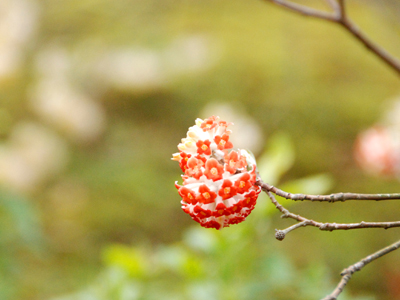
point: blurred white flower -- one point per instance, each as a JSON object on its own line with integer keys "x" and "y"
{"x": 247, "y": 133}
{"x": 32, "y": 155}
{"x": 190, "y": 54}
{"x": 53, "y": 61}
{"x": 10, "y": 58}
{"x": 131, "y": 68}
{"x": 18, "y": 22}
{"x": 141, "y": 68}
{"x": 58, "y": 103}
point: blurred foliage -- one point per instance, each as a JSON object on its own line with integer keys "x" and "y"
{"x": 144, "y": 70}
{"x": 234, "y": 263}
{"x": 20, "y": 233}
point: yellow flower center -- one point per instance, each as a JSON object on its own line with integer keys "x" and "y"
{"x": 227, "y": 190}
{"x": 214, "y": 171}
{"x": 222, "y": 142}
{"x": 242, "y": 184}
{"x": 204, "y": 147}
{"x": 231, "y": 163}
{"x": 190, "y": 196}
{"x": 206, "y": 195}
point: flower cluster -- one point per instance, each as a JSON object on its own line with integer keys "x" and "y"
{"x": 218, "y": 183}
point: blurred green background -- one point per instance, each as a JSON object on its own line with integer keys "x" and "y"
{"x": 96, "y": 95}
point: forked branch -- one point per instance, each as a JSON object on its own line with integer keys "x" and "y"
{"x": 302, "y": 222}
{"x": 348, "y": 272}
{"x": 327, "y": 226}
{"x": 339, "y": 16}
{"x": 305, "y": 10}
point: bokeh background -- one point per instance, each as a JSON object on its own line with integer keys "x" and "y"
{"x": 96, "y": 95}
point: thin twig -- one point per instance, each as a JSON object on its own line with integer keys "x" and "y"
{"x": 340, "y": 9}
{"x": 327, "y": 198}
{"x": 340, "y": 17}
{"x": 280, "y": 234}
{"x": 348, "y": 272}
{"x": 329, "y": 226}
{"x": 385, "y": 56}
{"x": 305, "y": 10}
{"x": 333, "y": 4}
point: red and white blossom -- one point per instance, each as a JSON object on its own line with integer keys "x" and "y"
{"x": 377, "y": 150}
{"x": 218, "y": 182}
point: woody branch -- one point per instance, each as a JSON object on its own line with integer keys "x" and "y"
{"x": 322, "y": 226}
{"x": 327, "y": 198}
{"x": 302, "y": 221}
{"x": 348, "y": 272}
{"x": 339, "y": 16}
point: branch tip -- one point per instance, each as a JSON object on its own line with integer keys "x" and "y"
{"x": 279, "y": 234}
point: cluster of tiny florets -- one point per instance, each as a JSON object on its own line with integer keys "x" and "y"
{"x": 218, "y": 182}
